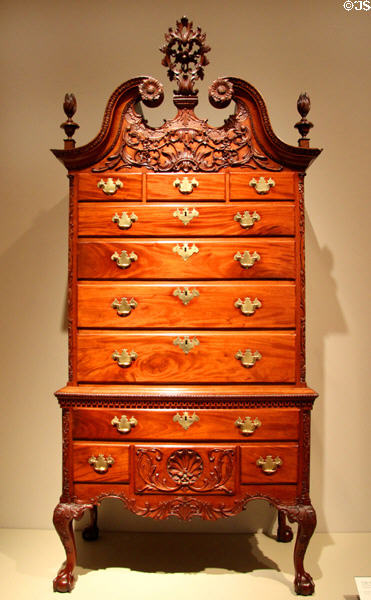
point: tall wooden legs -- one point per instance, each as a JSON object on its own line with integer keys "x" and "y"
{"x": 305, "y": 517}
{"x": 91, "y": 532}
{"x": 63, "y": 522}
{"x": 284, "y": 531}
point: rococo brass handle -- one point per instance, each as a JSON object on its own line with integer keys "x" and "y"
{"x": 124, "y": 306}
{"x": 110, "y": 187}
{"x": 185, "y": 186}
{"x": 186, "y": 344}
{"x": 186, "y": 295}
{"x": 246, "y": 259}
{"x": 269, "y": 464}
{"x": 185, "y": 420}
{"x": 247, "y": 306}
{"x": 186, "y": 215}
{"x": 124, "y": 358}
{"x": 124, "y": 222}
{"x": 246, "y": 220}
{"x": 124, "y": 259}
{"x": 185, "y": 251}
{"x": 124, "y": 424}
{"x": 247, "y": 425}
{"x": 247, "y": 358}
{"x": 262, "y": 186}
{"x": 101, "y": 464}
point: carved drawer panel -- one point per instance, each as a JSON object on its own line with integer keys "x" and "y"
{"x": 194, "y": 304}
{"x": 186, "y": 259}
{"x": 110, "y": 186}
{"x": 195, "y": 424}
{"x": 262, "y": 185}
{"x": 185, "y": 186}
{"x": 185, "y": 470}
{"x": 186, "y": 356}
{"x": 94, "y": 461}
{"x": 237, "y": 219}
{"x": 269, "y": 463}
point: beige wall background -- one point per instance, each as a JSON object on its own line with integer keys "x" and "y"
{"x": 90, "y": 47}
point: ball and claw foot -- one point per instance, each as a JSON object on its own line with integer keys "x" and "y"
{"x": 64, "y": 581}
{"x": 90, "y": 533}
{"x": 304, "y": 585}
{"x": 284, "y": 534}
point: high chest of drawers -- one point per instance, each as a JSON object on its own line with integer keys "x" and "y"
{"x": 186, "y": 393}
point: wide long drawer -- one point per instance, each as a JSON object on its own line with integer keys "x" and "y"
{"x": 186, "y": 259}
{"x": 237, "y": 219}
{"x": 197, "y": 304}
{"x": 185, "y": 357}
{"x": 180, "y": 425}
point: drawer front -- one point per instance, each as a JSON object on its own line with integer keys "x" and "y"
{"x": 195, "y": 424}
{"x": 185, "y": 187}
{"x": 114, "y": 219}
{"x": 185, "y": 470}
{"x": 110, "y": 186}
{"x": 161, "y": 305}
{"x": 186, "y": 259}
{"x": 281, "y": 467}
{"x": 157, "y": 359}
{"x": 94, "y": 461}
{"x": 250, "y": 186}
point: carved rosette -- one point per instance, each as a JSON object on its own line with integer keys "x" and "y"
{"x": 220, "y": 93}
{"x": 151, "y": 92}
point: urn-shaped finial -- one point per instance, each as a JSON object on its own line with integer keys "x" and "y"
{"x": 304, "y": 126}
{"x": 69, "y": 126}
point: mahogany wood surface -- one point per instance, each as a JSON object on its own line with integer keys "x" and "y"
{"x": 131, "y": 186}
{"x": 95, "y": 219}
{"x": 282, "y": 190}
{"x": 214, "y": 259}
{"x": 159, "y": 360}
{"x": 157, "y": 307}
{"x": 96, "y": 424}
{"x": 83, "y": 471}
{"x": 286, "y": 473}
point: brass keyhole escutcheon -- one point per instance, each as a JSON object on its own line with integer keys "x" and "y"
{"x": 247, "y": 425}
{"x": 185, "y": 420}
{"x": 124, "y": 358}
{"x": 262, "y": 186}
{"x": 124, "y": 259}
{"x": 247, "y": 358}
{"x": 269, "y": 465}
{"x": 110, "y": 187}
{"x": 186, "y": 344}
{"x": 125, "y": 221}
{"x": 124, "y": 425}
{"x": 185, "y": 186}
{"x": 247, "y": 306}
{"x": 186, "y": 295}
{"x": 185, "y": 251}
{"x": 246, "y": 259}
{"x": 246, "y": 220}
{"x": 101, "y": 464}
{"x": 186, "y": 215}
{"x": 124, "y": 306}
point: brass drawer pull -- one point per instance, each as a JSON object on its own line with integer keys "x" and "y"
{"x": 185, "y": 186}
{"x": 246, "y": 259}
{"x": 268, "y": 464}
{"x": 185, "y": 251}
{"x": 124, "y": 222}
{"x": 110, "y": 187}
{"x": 124, "y": 358}
{"x": 124, "y": 259}
{"x": 124, "y": 424}
{"x": 247, "y": 425}
{"x": 101, "y": 464}
{"x": 186, "y": 344}
{"x": 247, "y": 358}
{"x": 262, "y": 186}
{"x": 247, "y": 306}
{"x": 185, "y": 420}
{"x": 186, "y": 215}
{"x": 186, "y": 295}
{"x": 246, "y": 220}
{"x": 124, "y": 306}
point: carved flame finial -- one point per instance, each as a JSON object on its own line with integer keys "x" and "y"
{"x": 185, "y": 58}
{"x": 69, "y": 126}
{"x": 304, "y": 126}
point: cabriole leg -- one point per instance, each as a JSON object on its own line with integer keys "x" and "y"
{"x": 63, "y": 523}
{"x": 91, "y": 532}
{"x": 305, "y": 516}
{"x": 284, "y": 531}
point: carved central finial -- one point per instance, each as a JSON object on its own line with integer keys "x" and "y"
{"x": 185, "y": 56}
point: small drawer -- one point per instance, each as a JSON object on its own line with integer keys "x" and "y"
{"x": 185, "y": 187}
{"x": 269, "y": 463}
{"x": 262, "y": 185}
{"x": 110, "y": 186}
{"x": 114, "y": 219}
{"x": 181, "y": 425}
{"x": 100, "y": 462}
